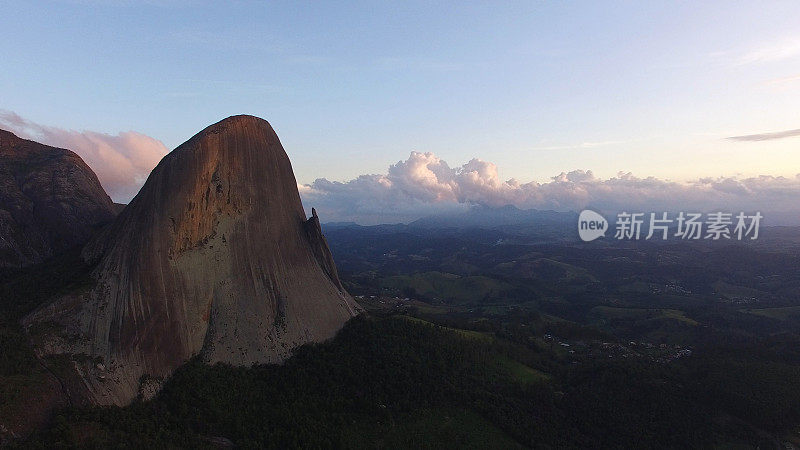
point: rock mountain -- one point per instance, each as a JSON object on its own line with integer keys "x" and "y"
{"x": 50, "y": 201}
{"x": 214, "y": 257}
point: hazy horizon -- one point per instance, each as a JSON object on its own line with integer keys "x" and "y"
{"x": 389, "y": 111}
{"x": 424, "y": 184}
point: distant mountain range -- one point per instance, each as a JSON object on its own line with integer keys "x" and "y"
{"x": 510, "y": 221}
{"x": 480, "y": 216}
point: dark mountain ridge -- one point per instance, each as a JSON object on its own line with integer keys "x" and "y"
{"x": 50, "y": 201}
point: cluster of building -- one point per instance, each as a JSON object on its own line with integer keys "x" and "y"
{"x": 659, "y": 353}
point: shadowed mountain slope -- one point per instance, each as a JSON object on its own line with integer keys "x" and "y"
{"x": 50, "y": 200}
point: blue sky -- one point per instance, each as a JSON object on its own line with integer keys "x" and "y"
{"x": 537, "y": 88}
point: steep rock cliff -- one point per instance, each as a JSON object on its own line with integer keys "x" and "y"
{"x": 214, "y": 257}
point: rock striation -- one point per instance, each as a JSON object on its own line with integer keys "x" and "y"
{"x": 50, "y": 201}
{"x": 214, "y": 257}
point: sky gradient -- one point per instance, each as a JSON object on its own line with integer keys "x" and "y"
{"x": 674, "y": 90}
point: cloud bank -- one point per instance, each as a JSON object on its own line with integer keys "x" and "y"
{"x": 425, "y": 184}
{"x": 766, "y": 136}
{"x": 772, "y": 52}
{"x": 122, "y": 162}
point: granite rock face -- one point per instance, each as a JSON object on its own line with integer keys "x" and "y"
{"x": 214, "y": 257}
{"x": 50, "y": 201}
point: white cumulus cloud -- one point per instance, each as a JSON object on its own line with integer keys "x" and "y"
{"x": 121, "y": 162}
{"x": 425, "y": 184}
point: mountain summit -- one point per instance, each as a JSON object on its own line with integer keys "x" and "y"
{"x": 214, "y": 257}
{"x": 50, "y": 201}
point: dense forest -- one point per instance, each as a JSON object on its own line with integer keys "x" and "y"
{"x": 401, "y": 382}
{"x": 509, "y": 346}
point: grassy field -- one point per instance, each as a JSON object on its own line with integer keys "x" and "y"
{"x": 522, "y": 373}
{"x": 608, "y": 312}
{"x": 733, "y": 291}
{"x": 468, "y": 334}
{"x": 545, "y": 269}
{"x": 446, "y": 286}
{"x": 784, "y": 313}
